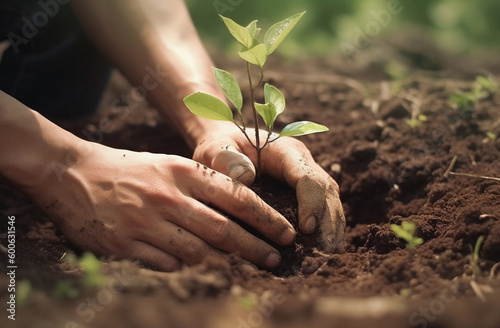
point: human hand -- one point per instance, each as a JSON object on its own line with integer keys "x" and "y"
{"x": 287, "y": 159}
{"x": 153, "y": 208}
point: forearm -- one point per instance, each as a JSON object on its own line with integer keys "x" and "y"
{"x": 157, "y": 34}
{"x": 30, "y": 145}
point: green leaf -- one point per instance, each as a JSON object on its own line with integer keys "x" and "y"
{"x": 401, "y": 232}
{"x": 422, "y": 117}
{"x": 274, "y": 96}
{"x": 256, "y": 55}
{"x": 268, "y": 113}
{"x": 414, "y": 242}
{"x": 240, "y": 33}
{"x": 487, "y": 84}
{"x": 275, "y": 105}
{"x": 253, "y": 29}
{"x": 302, "y": 128}
{"x": 230, "y": 87}
{"x": 409, "y": 227}
{"x": 208, "y": 106}
{"x": 277, "y": 33}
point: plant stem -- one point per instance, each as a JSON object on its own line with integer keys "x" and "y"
{"x": 257, "y": 146}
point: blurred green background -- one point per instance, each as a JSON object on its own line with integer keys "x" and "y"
{"x": 459, "y": 26}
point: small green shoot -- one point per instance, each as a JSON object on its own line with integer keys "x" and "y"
{"x": 91, "y": 276}
{"x": 65, "y": 289}
{"x": 405, "y": 292}
{"x": 23, "y": 291}
{"x": 91, "y": 266}
{"x": 91, "y": 271}
{"x": 474, "y": 260}
{"x": 485, "y": 87}
{"x": 413, "y": 123}
{"x": 466, "y": 102}
{"x": 253, "y": 52}
{"x": 247, "y": 302}
{"x": 491, "y": 135}
{"x": 406, "y": 231}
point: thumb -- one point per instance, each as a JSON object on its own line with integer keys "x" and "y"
{"x": 234, "y": 164}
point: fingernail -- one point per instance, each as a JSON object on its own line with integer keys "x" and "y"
{"x": 287, "y": 236}
{"x": 242, "y": 173}
{"x": 310, "y": 224}
{"x": 272, "y": 260}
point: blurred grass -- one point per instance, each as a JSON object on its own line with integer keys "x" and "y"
{"x": 459, "y": 26}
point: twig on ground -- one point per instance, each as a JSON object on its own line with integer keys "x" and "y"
{"x": 62, "y": 257}
{"x": 493, "y": 270}
{"x": 479, "y": 289}
{"x": 452, "y": 164}
{"x": 320, "y": 253}
{"x": 320, "y": 269}
{"x": 488, "y": 216}
{"x": 475, "y": 176}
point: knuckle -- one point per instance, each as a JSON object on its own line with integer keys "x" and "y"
{"x": 242, "y": 197}
{"x": 219, "y": 231}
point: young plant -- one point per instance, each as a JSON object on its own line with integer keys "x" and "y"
{"x": 466, "y": 102}
{"x": 414, "y": 122}
{"x": 474, "y": 257}
{"x": 406, "y": 231}
{"x": 255, "y": 53}
{"x": 91, "y": 276}
{"x": 91, "y": 266}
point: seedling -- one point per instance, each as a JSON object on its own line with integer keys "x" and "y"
{"x": 91, "y": 269}
{"x": 413, "y": 123}
{"x": 406, "y": 231}
{"x": 23, "y": 291}
{"x": 466, "y": 102}
{"x": 254, "y": 53}
{"x": 247, "y": 302}
{"x": 65, "y": 289}
{"x": 474, "y": 257}
{"x": 491, "y": 135}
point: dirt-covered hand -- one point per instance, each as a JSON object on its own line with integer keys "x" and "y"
{"x": 155, "y": 208}
{"x": 289, "y": 160}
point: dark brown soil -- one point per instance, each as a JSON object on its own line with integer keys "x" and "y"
{"x": 387, "y": 171}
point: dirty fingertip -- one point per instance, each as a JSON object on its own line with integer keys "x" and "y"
{"x": 272, "y": 260}
{"x": 287, "y": 236}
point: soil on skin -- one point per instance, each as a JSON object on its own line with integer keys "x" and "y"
{"x": 388, "y": 172}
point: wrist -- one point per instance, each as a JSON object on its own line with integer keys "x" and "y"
{"x": 33, "y": 148}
